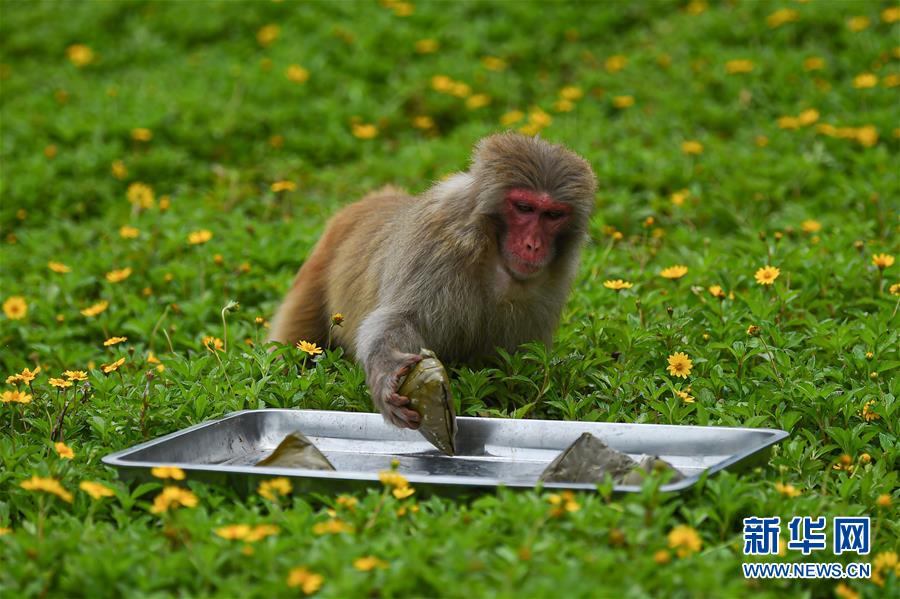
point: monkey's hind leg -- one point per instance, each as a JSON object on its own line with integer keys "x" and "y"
{"x": 301, "y": 316}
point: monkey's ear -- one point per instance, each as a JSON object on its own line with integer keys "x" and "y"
{"x": 486, "y": 145}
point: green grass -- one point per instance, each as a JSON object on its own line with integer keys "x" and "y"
{"x": 195, "y": 75}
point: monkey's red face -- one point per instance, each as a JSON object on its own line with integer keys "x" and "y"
{"x": 533, "y": 220}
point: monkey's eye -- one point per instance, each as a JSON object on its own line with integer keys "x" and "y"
{"x": 524, "y": 208}
{"x": 554, "y": 214}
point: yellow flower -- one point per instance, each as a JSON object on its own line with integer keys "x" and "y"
{"x": 116, "y": 276}
{"x": 538, "y": 117}
{"x": 390, "y": 478}
{"x": 892, "y": 80}
{"x": 95, "y": 309}
{"x": 692, "y": 147}
{"x": 309, "y": 582}
{"x": 173, "y": 498}
{"x": 563, "y": 106}
{"x": 733, "y": 67}
{"x": 15, "y": 307}
{"x": 27, "y": 375}
{"x": 402, "y": 9}
{"x": 267, "y": 34}
{"x": 95, "y": 490}
{"x": 766, "y": 275}
{"x": 891, "y": 15}
{"x": 80, "y": 55}
{"x": 442, "y": 83}
{"x": 662, "y": 557}
{"x": 868, "y": 412}
{"x": 15, "y": 396}
{"x": 685, "y": 396}
{"x": 842, "y": 591}
{"x": 114, "y": 341}
{"x": 297, "y": 74}
{"x": 272, "y": 488}
{"x": 782, "y": 16}
{"x": 882, "y": 261}
{"x": 895, "y": 289}
{"x": 753, "y": 330}
{"x": 813, "y": 63}
{"x": 403, "y": 492}
{"x": 808, "y": 117}
{"x": 511, "y": 117}
{"x": 310, "y": 348}
{"x": 47, "y": 485}
{"x": 60, "y": 383}
{"x": 113, "y": 366}
{"x": 199, "y": 237}
{"x": 811, "y": 226}
{"x": 140, "y": 195}
{"x": 283, "y": 186}
{"x": 493, "y": 63}
{"x": 119, "y": 171}
{"x": 885, "y": 561}
{"x": 58, "y": 267}
{"x": 261, "y": 531}
{"x": 427, "y": 46}
{"x": 64, "y": 451}
{"x": 623, "y": 101}
{"x": 787, "y": 490}
{"x": 678, "y": 197}
{"x": 370, "y": 562}
{"x": 684, "y": 540}
{"x": 615, "y": 63}
{"x": 865, "y": 81}
{"x": 866, "y": 135}
{"x": 348, "y": 501}
{"x": 571, "y": 93}
{"x": 332, "y": 526}
{"x": 478, "y": 101}
{"x": 674, "y": 272}
{"x": 858, "y": 23}
{"x": 717, "y": 291}
{"x": 364, "y": 131}
{"x": 337, "y": 319}
{"x": 884, "y": 500}
{"x": 141, "y": 134}
{"x": 617, "y": 284}
{"x": 127, "y": 232}
{"x": 213, "y": 344}
{"x": 173, "y": 472}
{"x": 680, "y": 365}
{"x": 423, "y": 122}
{"x": 233, "y": 532}
{"x": 788, "y": 122}
{"x": 75, "y": 375}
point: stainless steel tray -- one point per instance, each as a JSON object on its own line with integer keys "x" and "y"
{"x": 491, "y": 451}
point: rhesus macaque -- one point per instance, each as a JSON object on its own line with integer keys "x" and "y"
{"x": 480, "y": 260}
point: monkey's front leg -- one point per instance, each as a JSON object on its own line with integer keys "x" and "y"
{"x": 387, "y": 346}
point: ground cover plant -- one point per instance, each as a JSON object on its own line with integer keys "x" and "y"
{"x": 167, "y": 166}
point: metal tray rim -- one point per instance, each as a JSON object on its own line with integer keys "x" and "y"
{"x": 116, "y": 459}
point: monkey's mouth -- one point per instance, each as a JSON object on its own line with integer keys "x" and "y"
{"x": 522, "y": 269}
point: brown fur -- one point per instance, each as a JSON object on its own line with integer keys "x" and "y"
{"x": 411, "y": 272}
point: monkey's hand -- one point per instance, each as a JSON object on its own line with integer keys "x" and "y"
{"x": 385, "y": 378}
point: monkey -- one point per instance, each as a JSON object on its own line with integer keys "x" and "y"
{"x": 482, "y": 259}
